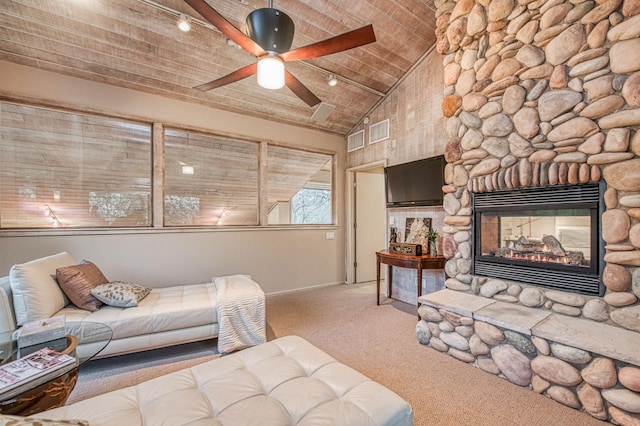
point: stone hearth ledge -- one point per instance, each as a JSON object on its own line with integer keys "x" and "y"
{"x": 611, "y": 341}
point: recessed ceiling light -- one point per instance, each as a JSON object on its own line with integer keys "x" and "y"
{"x": 332, "y": 80}
{"x": 188, "y": 170}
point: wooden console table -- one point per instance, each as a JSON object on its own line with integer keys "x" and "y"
{"x": 405, "y": 261}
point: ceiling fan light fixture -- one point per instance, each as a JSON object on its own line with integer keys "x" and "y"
{"x": 332, "y": 80}
{"x": 271, "y": 72}
{"x": 183, "y": 23}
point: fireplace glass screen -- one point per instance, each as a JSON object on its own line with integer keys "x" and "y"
{"x": 547, "y": 236}
{"x": 544, "y": 236}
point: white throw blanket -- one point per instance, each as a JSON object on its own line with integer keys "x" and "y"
{"x": 241, "y": 313}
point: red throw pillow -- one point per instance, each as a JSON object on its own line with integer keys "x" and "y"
{"x": 77, "y": 281}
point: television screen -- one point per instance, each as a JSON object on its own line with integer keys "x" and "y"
{"x": 418, "y": 183}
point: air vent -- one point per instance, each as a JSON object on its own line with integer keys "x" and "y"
{"x": 355, "y": 141}
{"x": 322, "y": 112}
{"x": 379, "y": 131}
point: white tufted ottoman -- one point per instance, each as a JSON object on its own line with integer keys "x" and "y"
{"x": 287, "y": 381}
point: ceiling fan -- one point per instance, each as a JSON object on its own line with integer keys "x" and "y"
{"x": 269, "y": 39}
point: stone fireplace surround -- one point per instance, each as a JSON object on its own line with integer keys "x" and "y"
{"x": 543, "y": 93}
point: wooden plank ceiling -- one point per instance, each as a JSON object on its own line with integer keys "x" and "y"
{"x": 136, "y": 44}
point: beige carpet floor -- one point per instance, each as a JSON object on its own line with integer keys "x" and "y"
{"x": 378, "y": 341}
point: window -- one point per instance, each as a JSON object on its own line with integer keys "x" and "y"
{"x": 68, "y": 170}
{"x": 299, "y": 186}
{"x": 209, "y": 180}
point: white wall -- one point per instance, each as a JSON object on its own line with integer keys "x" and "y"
{"x": 279, "y": 259}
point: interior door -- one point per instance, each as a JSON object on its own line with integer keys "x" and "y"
{"x": 370, "y": 222}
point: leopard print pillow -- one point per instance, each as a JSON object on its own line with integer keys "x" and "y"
{"x": 120, "y": 293}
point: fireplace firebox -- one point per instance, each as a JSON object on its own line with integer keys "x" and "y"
{"x": 546, "y": 236}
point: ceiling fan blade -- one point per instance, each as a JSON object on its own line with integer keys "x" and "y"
{"x": 237, "y": 75}
{"x": 219, "y": 21}
{"x": 342, "y": 42}
{"x": 300, "y": 89}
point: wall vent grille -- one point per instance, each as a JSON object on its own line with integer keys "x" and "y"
{"x": 379, "y": 131}
{"x": 355, "y": 141}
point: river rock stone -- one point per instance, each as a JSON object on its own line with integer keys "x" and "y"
{"x": 605, "y": 106}
{"x": 493, "y": 287}
{"x": 630, "y": 200}
{"x": 532, "y": 297}
{"x": 454, "y": 284}
{"x": 470, "y": 120}
{"x": 556, "y": 102}
{"x": 564, "y": 396}
{"x": 556, "y": 371}
{"x": 600, "y": 12}
{"x": 526, "y": 122}
{"x": 428, "y": 313}
{"x": 506, "y": 67}
{"x": 486, "y": 364}
{"x": 623, "y": 399}
{"x": 438, "y": 344}
{"x": 631, "y": 89}
{"x": 461, "y": 8}
{"x": 631, "y": 258}
{"x": 455, "y": 340}
{"x": 588, "y": 67}
{"x": 521, "y": 342}
{"x": 596, "y": 309}
{"x": 445, "y": 326}
{"x": 628, "y": 318}
{"x": 625, "y": 56}
{"x": 609, "y": 158}
{"x": 598, "y": 35}
{"x": 477, "y": 346}
{"x": 592, "y": 401}
{"x": 541, "y": 71}
{"x": 634, "y": 235}
{"x": 568, "y": 157}
{"x": 485, "y": 167}
{"x": 574, "y": 128}
{"x": 630, "y": 378}
{"x": 601, "y": 373}
{"x": 461, "y": 355}
{"x": 488, "y": 333}
{"x": 487, "y": 68}
{"x": 616, "y": 277}
{"x": 617, "y": 140}
{"x": 570, "y": 354}
{"x": 476, "y": 20}
{"x": 499, "y": 9}
{"x": 623, "y": 176}
{"x": 558, "y": 78}
{"x": 620, "y": 299}
{"x": 538, "y": 384}
{"x": 554, "y": 15}
{"x": 615, "y": 226}
{"x": 450, "y": 105}
{"x": 451, "y": 73}
{"x": 513, "y": 99}
{"x": 498, "y": 147}
{"x": 473, "y": 101}
{"x": 530, "y": 56}
{"x": 423, "y": 333}
{"x": 628, "y": 29}
{"x": 565, "y": 45}
{"x": 514, "y": 365}
{"x": 565, "y": 298}
{"x": 497, "y": 125}
{"x": 621, "y": 417}
{"x": 465, "y": 82}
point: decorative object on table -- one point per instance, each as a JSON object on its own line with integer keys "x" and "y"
{"x": 416, "y": 231}
{"x": 405, "y": 248}
{"x": 35, "y": 335}
{"x": 432, "y": 237}
{"x": 37, "y": 365}
{"x": 393, "y": 235}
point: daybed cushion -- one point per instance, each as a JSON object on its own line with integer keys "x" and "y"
{"x": 120, "y": 293}
{"x": 77, "y": 281}
{"x": 286, "y": 381}
{"x": 36, "y": 294}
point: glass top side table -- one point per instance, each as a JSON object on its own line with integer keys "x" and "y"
{"x": 84, "y": 341}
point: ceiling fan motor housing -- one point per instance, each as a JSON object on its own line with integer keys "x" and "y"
{"x": 272, "y": 29}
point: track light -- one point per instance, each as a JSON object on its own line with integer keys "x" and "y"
{"x": 332, "y": 80}
{"x": 183, "y": 23}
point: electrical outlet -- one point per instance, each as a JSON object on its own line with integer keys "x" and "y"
{"x": 330, "y": 235}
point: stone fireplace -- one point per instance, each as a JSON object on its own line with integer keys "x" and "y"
{"x": 546, "y": 236}
{"x": 541, "y": 95}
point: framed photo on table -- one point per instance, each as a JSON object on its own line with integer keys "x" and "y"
{"x": 416, "y": 230}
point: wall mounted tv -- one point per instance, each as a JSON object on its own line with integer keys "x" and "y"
{"x": 418, "y": 183}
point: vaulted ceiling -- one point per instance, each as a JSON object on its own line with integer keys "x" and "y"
{"x": 136, "y": 44}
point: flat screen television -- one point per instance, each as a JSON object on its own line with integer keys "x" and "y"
{"x": 418, "y": 183}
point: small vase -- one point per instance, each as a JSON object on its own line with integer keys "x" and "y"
{"x": 433, "y": 248}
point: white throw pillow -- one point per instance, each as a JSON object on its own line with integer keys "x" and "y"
{"x": 36, "y": 294}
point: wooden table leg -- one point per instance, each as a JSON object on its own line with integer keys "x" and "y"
{"x": 389, "y": 279}
{"x": 419, "y": 283}
{"x": 378, "y": 280}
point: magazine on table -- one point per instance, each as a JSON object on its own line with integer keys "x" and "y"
{"x": 36, "y": 365}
